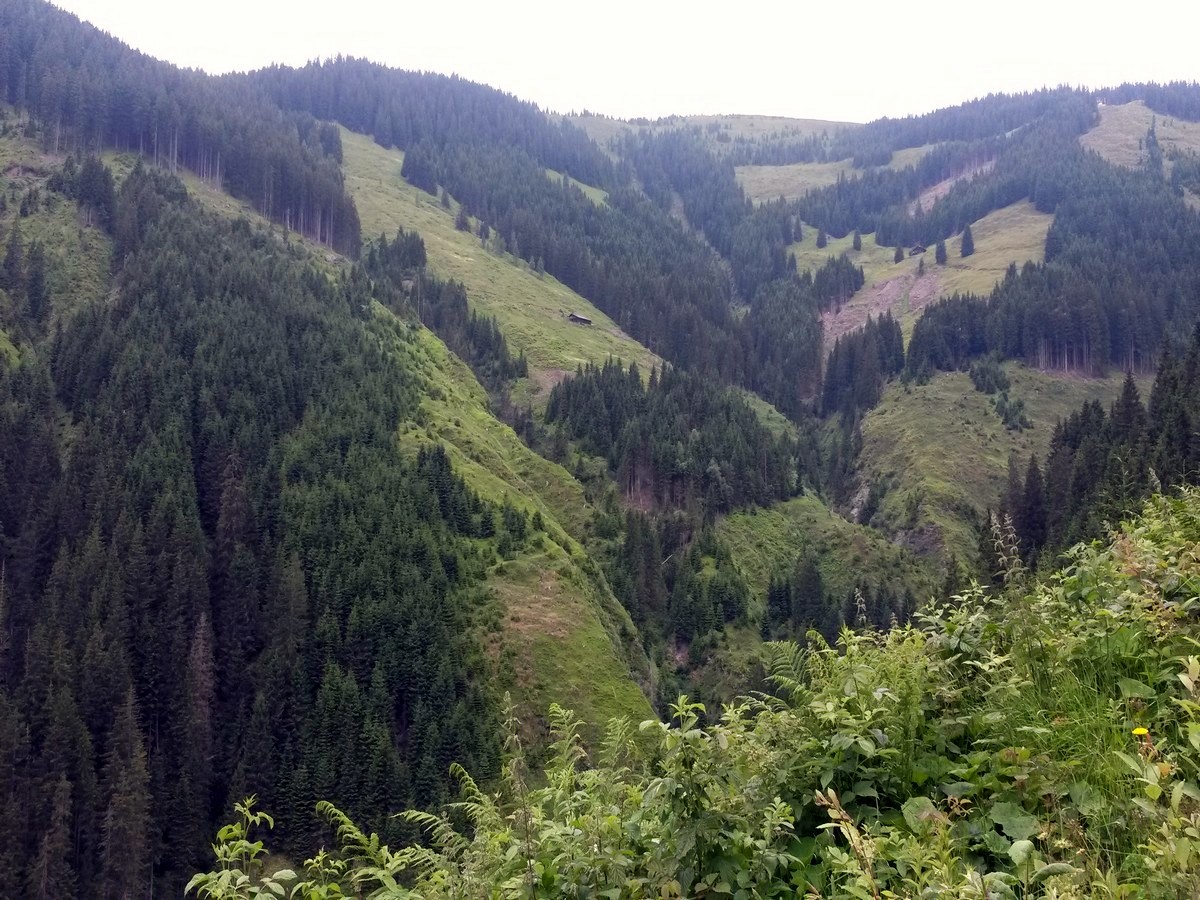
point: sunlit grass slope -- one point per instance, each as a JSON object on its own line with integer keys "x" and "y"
{"x": 530, "y": 308}
{"x": 797, "y": 179}
{"x": 555, "y": 622}
{"x": 720, "y": 131}
{"x": 78, "y": 258}
{"x": 1014, "y": 234}
{"x": 562, "y": 632}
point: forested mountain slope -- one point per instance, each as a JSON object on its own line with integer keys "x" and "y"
{"x": 303, "y": 466}
{"x": 1037, "y": 740}
{"x": 232, "y": 415}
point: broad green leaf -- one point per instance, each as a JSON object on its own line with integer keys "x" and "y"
{"x": 1183, "y": 853}
{"x": 996, "y": 843}
{"x": 918, "y": 812}
{"x": 999, "y": 885}
{"x": 1051, "y": 869}
{"x": 865, "y": 789}
{"x": 1135, "y": 765}
{"x": 1016, "y": 823}
{"x": 1086, "y": 798}
{"x": 958, "y": 789}
{"x": 1135, "y": 689}
{"x": 1020, "y": 851}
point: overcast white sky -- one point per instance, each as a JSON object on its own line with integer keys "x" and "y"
{"x": 807, "y": 58}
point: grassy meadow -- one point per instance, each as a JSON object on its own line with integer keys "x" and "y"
{"x": 794, "y": 180}
{"x": 603, "y": 129}
{"x": 595, "y": 194}
{"x": 941, "y": 445}
{"x": 1014, "y": 234}
{"x": 767, "y": 541}
{"x": 1122, "y": 131}
{"x": 531, "y": 308}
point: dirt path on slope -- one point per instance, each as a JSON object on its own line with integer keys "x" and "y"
{"x": 902, "y": 294}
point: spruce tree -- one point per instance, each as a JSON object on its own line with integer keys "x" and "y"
{"x": 1128, "y": 419}
{"x": 822, "y": 240}
{"x": 968, "y": 242}
{"x": 35, "y": 283}
{"x": 51, "y": 876}
{"x": 898, "y": 256}
{"x": 14, "y": 751}
{"x": 857, "y": 243}
{"x": 940, "y": 253}
{"x": 12, "y": 276}
{"x": 808, "y": 596}
{"x": 1014, "y": 492}
{"x": 125, "y": 842}
{"x": 1031, "y": 525}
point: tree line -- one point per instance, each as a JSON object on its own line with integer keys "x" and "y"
{"x": 401, "y": 282}
{"x": 676, "y": 440}
{"x": 1100, "y": 465}
{"x": 1119, "y": 276}
{"x": 85, "y": 91}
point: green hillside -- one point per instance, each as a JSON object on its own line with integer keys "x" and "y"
{"x": 1121, "y": 134}
{"x": 796, "y": 179}
{"x": 557, "y": 623}
{"x": 78, "y": 259}
{"x": 719, "y": 131}
{"x": 1033, "y": 742}
{"x": 770, "y": 542}
{"x": 1014, "y": 234}
{"x": 531, "y": 308}
{"x": 562, "y": 632}
{"x": 767, "y": 542}
{"x": 316, "y": 489}
{"x": 943, "y": 452}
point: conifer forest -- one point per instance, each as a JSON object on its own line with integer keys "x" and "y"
{"x": 410, "y": 492}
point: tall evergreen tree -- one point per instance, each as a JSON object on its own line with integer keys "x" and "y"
{"x": 968, "y": 241}
{"x": 36, "y": 300}
{"x": 13, "y": 272}
{"x": 808, "y": 596}
{"x": 1031, "y": 520}
{"x": 51, "y": 876}
{"x": 126, "y": 840}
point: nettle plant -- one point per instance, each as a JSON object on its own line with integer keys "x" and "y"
{"x": 1040, "y": 740}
